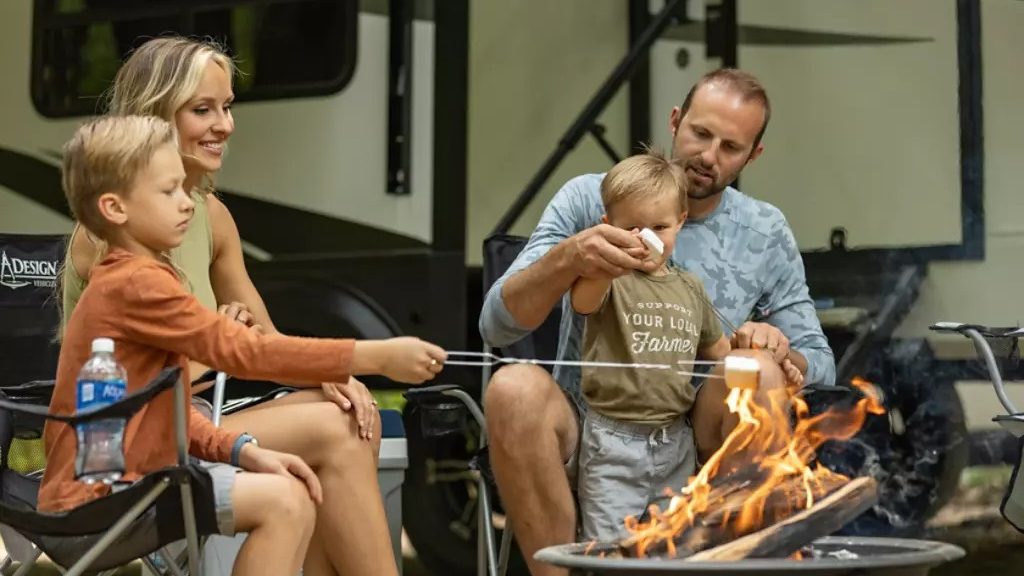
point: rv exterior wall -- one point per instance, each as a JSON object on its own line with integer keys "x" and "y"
{"x": 533, "y": 66}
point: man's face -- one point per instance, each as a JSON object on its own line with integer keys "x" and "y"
{"x": 715, "y": 139}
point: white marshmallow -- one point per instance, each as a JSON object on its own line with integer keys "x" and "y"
{"x": 652, "y": 241}
{"x": 741, "y": 372}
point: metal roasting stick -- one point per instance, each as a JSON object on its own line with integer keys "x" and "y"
{"x": 455, "y": 358}
{"x": 486, "y": 359}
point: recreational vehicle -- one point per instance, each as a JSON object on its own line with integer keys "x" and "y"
{"x": 379, "y": 142}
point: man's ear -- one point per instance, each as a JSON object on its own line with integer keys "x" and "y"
{"x": 112, "y": 208}
{"x": 674, "y": 118}
{"x": 755, "y": 153}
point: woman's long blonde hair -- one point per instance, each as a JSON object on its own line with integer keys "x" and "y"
{"x": 160, "y": 76}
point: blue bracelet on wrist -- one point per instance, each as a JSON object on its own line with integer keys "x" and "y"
{"x": 236, "y": 448}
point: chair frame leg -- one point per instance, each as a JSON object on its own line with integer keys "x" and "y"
{"x": 191, "y": 535}
{"x": 27, "y": 565}
{"x": 117, "y": 529}
{"x": 506, "y": 548}
{"x": 485, "y": 540}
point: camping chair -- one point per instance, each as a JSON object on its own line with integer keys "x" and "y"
{"x": 29, "y": 306}
{"x": 995, "y": 347}
{"x": 103, "y": 534}
{"x": 443, "y": 407}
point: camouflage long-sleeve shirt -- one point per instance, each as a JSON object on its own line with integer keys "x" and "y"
{"x": 744, "y": 251}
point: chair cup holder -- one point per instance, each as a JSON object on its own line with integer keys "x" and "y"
{"x": 442, "y": 418}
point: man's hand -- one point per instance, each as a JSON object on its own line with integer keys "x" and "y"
{"x": 793, "y": 374}
{"x": 255, "y": 459}
{"x": 604, "y": 251}
{"x": 763, "y": 337}
{"x": 354, "y": 395}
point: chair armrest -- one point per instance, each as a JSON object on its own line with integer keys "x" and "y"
{"x": 123, "y": 408}
{"x": 986, "y": 331}
{"x": 429, "y": 393}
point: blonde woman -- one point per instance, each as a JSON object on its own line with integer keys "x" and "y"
{"x": 333, "y": 427}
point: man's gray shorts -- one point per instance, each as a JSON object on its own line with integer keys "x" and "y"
{"x": 624, "y": 466}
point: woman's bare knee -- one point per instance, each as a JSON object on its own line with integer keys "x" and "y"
{"x": 335, "y": 439}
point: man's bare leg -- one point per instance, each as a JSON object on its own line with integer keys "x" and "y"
{"x": 532, "y": 432}
{"x": 712, "y": 421}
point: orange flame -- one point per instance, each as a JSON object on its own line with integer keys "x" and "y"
{"x": 778, "y": 453}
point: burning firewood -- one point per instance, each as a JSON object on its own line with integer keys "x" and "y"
{"x": 713, "y": 529}
{"x": 761, "y": 493}
{"x": 784, "y": 537}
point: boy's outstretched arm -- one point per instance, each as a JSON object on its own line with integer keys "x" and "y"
{"x": 157, "y": 310}
{"x": 588, "y": 294}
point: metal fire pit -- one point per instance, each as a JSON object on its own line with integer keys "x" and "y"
{"x": 875, "y": 556}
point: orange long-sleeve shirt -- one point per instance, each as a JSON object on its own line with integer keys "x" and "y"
{"x": 155, "y": 323}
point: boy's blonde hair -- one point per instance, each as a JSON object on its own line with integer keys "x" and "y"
{"x": 647, "y": 175}
{"x": 106, "y": 155}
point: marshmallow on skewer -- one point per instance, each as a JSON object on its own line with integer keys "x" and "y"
{"x": 741, "y": 372}
{"x": 652, "y": 241}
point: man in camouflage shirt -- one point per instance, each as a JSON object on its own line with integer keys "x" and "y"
{"x": 742, "y": 249}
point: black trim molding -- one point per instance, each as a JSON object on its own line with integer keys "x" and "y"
{"x": 137, "y": 18}
{"x": 451, "y": 105}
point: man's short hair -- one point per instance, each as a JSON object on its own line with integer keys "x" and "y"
{"x": 743, "y": 83}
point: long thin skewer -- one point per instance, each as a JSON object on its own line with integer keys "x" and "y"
{"x": 488, "y": 359}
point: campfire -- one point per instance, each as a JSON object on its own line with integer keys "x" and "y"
{"x": 762, "y": 494}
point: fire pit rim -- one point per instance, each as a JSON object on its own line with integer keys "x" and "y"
{"x": 917, "y": 553}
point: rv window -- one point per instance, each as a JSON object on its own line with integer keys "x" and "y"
{"x": 283, "y": 48}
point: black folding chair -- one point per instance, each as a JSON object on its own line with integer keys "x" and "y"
{"x": 110, "y": 531}
{"x": 444, "y": 407}
{"x": 998, "y": 349}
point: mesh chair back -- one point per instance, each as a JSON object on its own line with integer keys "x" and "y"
{"x": 1006, "y": 351}
{"x": 29, "y": 306}
{"x": 499, "y": 253}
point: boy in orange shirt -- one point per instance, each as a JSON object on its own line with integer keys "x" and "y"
{"x": 123, "y": 180}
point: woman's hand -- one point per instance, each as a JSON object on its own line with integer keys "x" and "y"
{"x": 354, "y": 395}
{"x": 238, "y": 312}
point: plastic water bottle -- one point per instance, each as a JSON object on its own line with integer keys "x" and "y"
{"x": 101, "y": 381}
